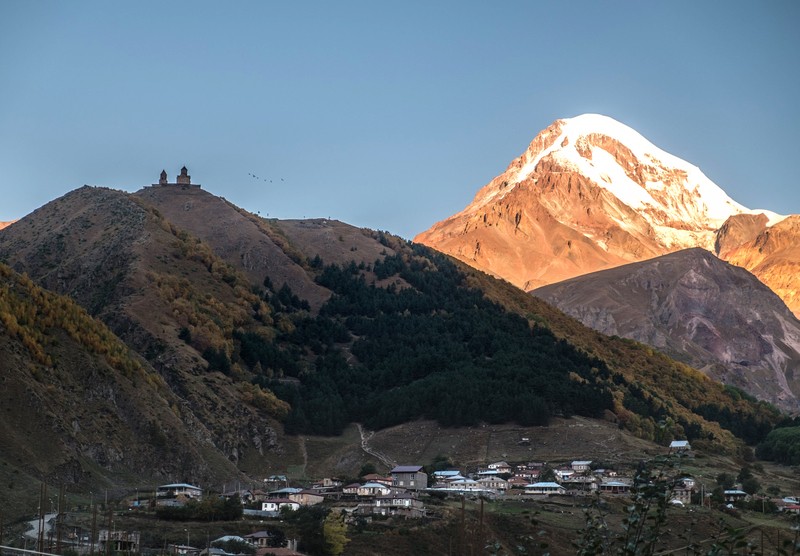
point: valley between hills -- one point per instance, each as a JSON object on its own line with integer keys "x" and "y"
{"x": 169, "y": 336}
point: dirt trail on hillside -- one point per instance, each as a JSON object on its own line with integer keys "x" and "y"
{"x": 383, "y": 458}
{"x": 304, "y": 451}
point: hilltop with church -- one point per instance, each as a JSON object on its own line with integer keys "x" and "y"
{"x": 183, "y": 179}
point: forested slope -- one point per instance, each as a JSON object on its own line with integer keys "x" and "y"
{"x": 417, "y": 335}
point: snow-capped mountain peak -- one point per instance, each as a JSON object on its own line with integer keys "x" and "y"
{"x": 611, "y": 153}
{"x": 590, "y": 193}
{"x": 672, "y": 195}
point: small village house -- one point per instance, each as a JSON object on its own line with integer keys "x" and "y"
{"x": 284, "y": 492}
{"x": 351, "y": 489}
{"x": 614, "y": 487}
{"x": 501, "y": 467}
{"x": 463, "y": 484}
{"x": 528, "y": 475}
{"x": 259, "y": 539}
{"x": 493, "y": 483}
{"x": 447, "y": 480}
{"x": 260, "y": 495}
{"x": 446, "y": 473}
{"x": 442, "y": 477}
{"x": 177, "y": 494}
{"x": 563, "y": 473}
{"x": 404, "y": 504}
{"x": 274, "y": 481}
{"x": 375, "y": 478}
{"x": 545, "y": 488}
{"x": 373, "y": 489}
{"x": 328, "y": 482}
{"x": 326, "y": 485}
{"x": 581, "y": 482}
{"x": 180, "y": 489}
{"x": 581, "y": 466}
{"x": 679, "y": 446}
{"x": 277, "y": 504}
{"x": 307, "y": 497}
{"x": 790, "y": 508}
{"x": 736, "y": 495}
{"x": 411, "y": 477}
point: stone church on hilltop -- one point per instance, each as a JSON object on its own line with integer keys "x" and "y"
{"x": 183, "y": 179}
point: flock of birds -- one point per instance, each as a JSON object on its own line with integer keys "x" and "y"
{"x": 255, "y": 177}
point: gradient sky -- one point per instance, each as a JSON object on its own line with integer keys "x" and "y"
{"x": 385, "y": 115}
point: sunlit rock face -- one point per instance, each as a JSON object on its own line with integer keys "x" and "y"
{"x": 590, "y": 193}
{"x": 773, "y": 254}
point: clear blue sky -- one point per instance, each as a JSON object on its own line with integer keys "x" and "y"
{"x": 384, "y": 115}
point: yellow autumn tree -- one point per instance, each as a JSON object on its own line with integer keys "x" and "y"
{"x": 334, "y": 529}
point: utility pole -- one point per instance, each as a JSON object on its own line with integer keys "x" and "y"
{"x": 60, "y": 518}
{"x": 40, "y": 539}
{"x": 94, "y": 526}
{"x": 480, "y": 528}
{"x": 108, "y": 533}
{"x": 463, "y": 525}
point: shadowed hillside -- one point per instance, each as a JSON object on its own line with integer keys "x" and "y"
{"x": 695, "y": 307}
{"x": 80, "y": 408}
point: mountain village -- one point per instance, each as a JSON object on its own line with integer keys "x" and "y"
{"x": 406, "y": 492}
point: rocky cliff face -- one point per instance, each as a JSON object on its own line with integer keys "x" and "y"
{"x": 712, "y": 315}
{"x": 738, "y": 230}
{"x": 588, "y": 194}
{"x": 772, "y": 254}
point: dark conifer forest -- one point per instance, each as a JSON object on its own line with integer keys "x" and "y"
{"x": 406, "y": 338}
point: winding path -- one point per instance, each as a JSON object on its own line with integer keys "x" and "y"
{"x": 380, "y": 456}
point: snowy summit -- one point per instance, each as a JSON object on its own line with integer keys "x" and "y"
{"x": 674, "y": 196}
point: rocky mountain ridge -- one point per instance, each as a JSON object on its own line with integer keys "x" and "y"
{"x": 690, "y": 305}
